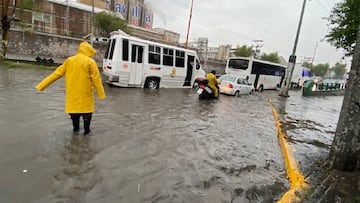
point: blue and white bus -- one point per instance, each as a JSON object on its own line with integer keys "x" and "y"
{"x": 261, "y": 74}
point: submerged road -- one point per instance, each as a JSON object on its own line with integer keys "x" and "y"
{"x": 154, "y": 146}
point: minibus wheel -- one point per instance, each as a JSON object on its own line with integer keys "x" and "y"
{"x": 261, "y": 88}
{"x": 152, "y": 83}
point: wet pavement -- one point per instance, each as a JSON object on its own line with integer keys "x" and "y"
{"x": 153, "y": 146}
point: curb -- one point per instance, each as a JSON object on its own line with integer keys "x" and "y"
{"x": 298, "y": 186}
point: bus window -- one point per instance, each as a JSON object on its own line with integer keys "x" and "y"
{"x": 239, "y": 64}
{"x": 180, "y": 59}
{"x": 168, "y": 57}
{"x": 154, "y": 55}
{"x": 112, "y": 49}
{"x": 267, "y": 69}
{"x": 125, "y": 50}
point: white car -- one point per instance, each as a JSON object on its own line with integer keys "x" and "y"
{"x": 235, "y": 85}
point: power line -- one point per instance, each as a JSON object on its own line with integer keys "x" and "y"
{"x": 324, "y": 7}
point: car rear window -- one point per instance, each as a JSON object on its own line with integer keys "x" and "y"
{"x": 227, "y": 78}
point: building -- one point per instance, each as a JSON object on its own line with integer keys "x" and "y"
{"x": 205, "y": 52}
{"x": 136, "y": 12}
{"x": 72, "y": 17}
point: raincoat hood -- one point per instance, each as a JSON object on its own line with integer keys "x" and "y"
{"x": 86, "y": 49}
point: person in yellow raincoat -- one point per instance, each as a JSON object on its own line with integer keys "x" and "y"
{"x": 82, "y": 76}
{"x": 213, "y": 82}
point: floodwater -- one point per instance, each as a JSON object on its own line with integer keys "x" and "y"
{"x": 152, "y": 146}
{"x": 310, "y": 123}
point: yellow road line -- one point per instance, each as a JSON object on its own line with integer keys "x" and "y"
{"x": 296, "y": 178}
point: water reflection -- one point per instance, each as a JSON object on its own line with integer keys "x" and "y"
{"x": 78, "y": 173}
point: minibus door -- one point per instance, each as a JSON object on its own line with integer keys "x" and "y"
{"x": 189, "y": 68}
{"x": 136, "y": 65}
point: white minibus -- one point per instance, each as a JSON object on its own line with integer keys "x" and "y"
{"x": 133, "y": 62}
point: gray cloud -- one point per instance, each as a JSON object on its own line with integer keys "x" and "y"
{"x": 239, "y": 22}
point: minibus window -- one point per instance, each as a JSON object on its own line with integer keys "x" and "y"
{"x": 133, "y": 53}
{"x": 168, "y": 57}
{"x": 112, "y": 47}
{"x": 140, "y": 54}
{"x": 107, "y": 50}
{"x": 180, "y": 59}
{"x": 154, "y": 55}
{"x": 125, "y": 50}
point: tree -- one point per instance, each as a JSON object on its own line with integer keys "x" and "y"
{"x": 339, "y": 69}
{"x": 5, "y": 22}
{"x": 344, "y": 21}
{"x": 27, "y": 4}
{"x": 345, "y": 149}
{"x": 320, "y": 69}
{"x": 307, "y": 65}
{"x": 110, "y": 22}
{"x": 272, "y": 57}
{"x": 244, "y": 51}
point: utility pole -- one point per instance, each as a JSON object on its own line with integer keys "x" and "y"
{"x": 258, "y": 44}
{"x": 292, "y": 59}
{"x": 92, "y": 24}
{"x": 345, "y": 149}
{"x": 313, "y": 58}
{"x": 187, "y": 35}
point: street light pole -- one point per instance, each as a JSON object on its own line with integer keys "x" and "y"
{"x": 292, "y": 59}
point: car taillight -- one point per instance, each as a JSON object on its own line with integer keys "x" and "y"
{"x": 109, "y": 67}
{"x": 230, "y": 86}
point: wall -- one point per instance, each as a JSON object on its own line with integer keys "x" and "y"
{"x": 27, "y": 46}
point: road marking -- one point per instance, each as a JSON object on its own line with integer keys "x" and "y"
{"x": 296, "y": 178}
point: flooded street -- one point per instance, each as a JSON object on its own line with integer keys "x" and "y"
{"x": 153, "y": 146}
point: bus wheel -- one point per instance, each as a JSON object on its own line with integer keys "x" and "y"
{"x": 261, "y": 88}
{"x": 237, "y": 94}
{"x": 152, "y": 83}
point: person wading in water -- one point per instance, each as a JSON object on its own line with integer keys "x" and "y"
{"x": 82, "y": 76}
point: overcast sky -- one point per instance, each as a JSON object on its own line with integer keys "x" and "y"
{"x": 240, "y": 22}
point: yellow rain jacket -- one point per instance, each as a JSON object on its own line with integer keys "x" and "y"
{"x": 213, "y": 82}
{"x": 81, "y": 77}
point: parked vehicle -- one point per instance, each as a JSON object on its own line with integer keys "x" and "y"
{"x": 235, "y": 85}
{"x": 204, "y": 91}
